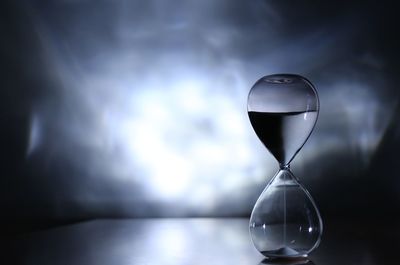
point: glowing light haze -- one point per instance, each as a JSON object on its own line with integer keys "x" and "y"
{"x": 147, "y": 109}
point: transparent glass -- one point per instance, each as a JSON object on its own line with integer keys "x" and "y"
{"x": 285, "y": 221}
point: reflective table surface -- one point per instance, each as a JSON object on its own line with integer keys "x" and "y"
{"x": 191, "y": 241}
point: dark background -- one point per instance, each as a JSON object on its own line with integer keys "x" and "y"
{"x": 138, "y": 108}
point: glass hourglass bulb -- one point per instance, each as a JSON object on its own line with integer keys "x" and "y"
{"x": 285, "y": 221}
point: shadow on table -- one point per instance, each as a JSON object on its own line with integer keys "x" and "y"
{"x": 286, "y": 262}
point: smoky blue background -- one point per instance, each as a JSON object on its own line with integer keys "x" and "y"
{"x": 138, "y": 108}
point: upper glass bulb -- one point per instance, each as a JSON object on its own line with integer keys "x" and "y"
{"x": 283, "y": 110}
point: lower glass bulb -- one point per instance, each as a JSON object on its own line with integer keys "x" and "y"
{"x": 285, "y": 221}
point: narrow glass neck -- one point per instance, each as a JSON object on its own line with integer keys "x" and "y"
{"x": 284, "y": 167}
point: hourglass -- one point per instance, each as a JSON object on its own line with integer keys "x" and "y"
{"x": 285, "y": 222}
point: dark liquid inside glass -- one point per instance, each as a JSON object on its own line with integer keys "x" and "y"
{"x": 283, "y": 133}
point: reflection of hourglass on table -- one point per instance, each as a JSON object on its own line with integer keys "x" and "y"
{"x": 285, "y": 221}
